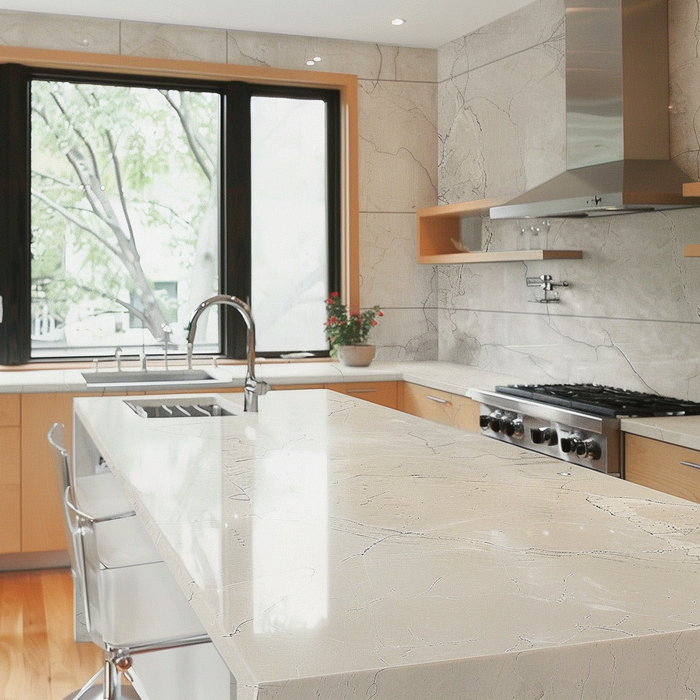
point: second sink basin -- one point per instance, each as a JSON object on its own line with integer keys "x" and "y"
{"x": 196, "y": 407}
{"x": 149, "y": 378}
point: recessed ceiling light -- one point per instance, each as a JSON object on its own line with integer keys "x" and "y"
{"x": 317, "y": 59}
{"x": 311, "y": 63}
{"x": 398, "y": 22}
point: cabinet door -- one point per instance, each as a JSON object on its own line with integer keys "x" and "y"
{"x": 10, "y": 499}
{"x": 42, "y": 515}
{"x": 10, "y": 474}
{"x": 659, "y": 465}
{"x": 383, "y": 393}
{"x": 440, "y": 406}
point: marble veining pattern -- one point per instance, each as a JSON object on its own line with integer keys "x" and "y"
{"x": 337, "y": 549}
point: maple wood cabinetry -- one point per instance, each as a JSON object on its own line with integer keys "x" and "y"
{"x": 382, "y": 393}
{"x": 10, "y": 473}
{"x": 441, "y": 406}
{"x": 662, "y": 466}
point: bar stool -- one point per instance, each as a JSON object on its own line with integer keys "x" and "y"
{"x": 130, "y": 607}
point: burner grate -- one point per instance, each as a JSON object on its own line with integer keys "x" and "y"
{"x": 602, "y": 400}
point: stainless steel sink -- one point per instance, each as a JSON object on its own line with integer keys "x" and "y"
{"x": 149, "y": 378}
{"x": 183, "y": 407}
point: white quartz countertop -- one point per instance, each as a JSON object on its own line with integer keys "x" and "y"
{"x": 340, "y": 550}
{"x": 677, "y": 430}
{"x": 447, "y": 376}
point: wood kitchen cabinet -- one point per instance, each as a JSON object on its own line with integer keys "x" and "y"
{"x": 10, "y": 474}
{"x": 440, "y": 406}
{"x": 382, "y": 393}
{"x": 42, "y": 515}
{"x": 662, "y": 466}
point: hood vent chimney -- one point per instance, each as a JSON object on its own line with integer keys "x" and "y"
{"x": 617, "y": 117}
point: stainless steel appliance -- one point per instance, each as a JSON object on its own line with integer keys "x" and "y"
{"x": 578, "y": 423}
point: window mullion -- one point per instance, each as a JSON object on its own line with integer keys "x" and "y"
{"x": 15, "y": 240}
{"x": 236, "y": 229}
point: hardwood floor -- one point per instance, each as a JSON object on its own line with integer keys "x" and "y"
{"x": 38, "y": 658}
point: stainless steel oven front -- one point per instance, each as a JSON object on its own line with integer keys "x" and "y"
{"x": 579, "y": 438}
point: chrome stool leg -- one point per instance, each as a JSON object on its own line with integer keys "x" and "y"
{"x": 95, "y": 691}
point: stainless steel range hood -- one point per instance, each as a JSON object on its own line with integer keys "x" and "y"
{"x": 617, "y": 117}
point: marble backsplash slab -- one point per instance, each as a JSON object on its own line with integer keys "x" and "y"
{"x": 629, "y": 317}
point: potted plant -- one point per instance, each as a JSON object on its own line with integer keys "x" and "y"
{"x": 347, "y": 332}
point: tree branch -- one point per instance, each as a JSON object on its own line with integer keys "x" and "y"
{"x": 192, "y": 140}
{"x": 120, "y": 186}
{"x": 74, "y": 220}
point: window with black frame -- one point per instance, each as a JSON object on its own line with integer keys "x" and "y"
{"x": 145, "y": 196}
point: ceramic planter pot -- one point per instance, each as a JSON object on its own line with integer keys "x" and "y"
{"x": 356, "y": 355}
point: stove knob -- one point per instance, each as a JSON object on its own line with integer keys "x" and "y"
{"x": 518, "y": 428}
{"x": 566, "y": 444}
{"x": 543, "y": 436}
{"x": 581, "y": 448}
{"x": 593, "y": 450}
{"x": 495, "y": 421}
{"x": 483, "y": 421}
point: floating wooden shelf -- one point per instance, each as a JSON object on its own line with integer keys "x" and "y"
{"x": 501, "y": 256}
{"x": 437, "y": 228}
{"x": 692, "y": 251}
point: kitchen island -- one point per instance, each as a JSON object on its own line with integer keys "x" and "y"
{"x": 336, "y": 549}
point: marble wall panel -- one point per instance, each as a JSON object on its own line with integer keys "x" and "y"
{"x": 406, "y": 334}
{"x": 492, "y": 141}
{"x": 398, "y": 141}
{"x": 538, "y": 24}
{"x": 174, "y": 42}
{"x": 388, "y": 263}
{"x": 59, "y": 32}
{"x": 684, "y": 66}
{"x": 367, "y": 61}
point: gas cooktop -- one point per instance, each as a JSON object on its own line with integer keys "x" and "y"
{"x": 602, "y": 400}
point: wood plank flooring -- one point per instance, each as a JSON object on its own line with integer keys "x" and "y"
{"x": 38, "y": 658}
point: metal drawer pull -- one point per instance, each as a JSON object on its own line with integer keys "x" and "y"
{"x": 691, "y": 464}
{"x": 361, "y": 391}
{"x": 436, "y": 398}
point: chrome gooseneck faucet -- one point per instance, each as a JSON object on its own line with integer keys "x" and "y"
{"x": 253, "y": 387}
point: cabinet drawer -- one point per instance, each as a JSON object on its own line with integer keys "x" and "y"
{"x": 9, "y": 409}
{"x": 383, "y": 393}
{"x": 668, "y": 468}
{"x": 440, "y": 406}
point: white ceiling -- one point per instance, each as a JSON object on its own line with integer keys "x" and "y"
{"x": 429, "y": 23}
